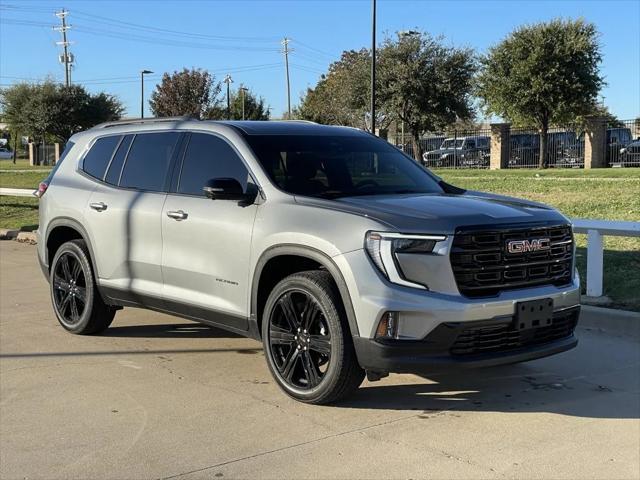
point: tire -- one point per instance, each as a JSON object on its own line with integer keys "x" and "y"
{"x": 76, "y": 301}
{"x": 317, "y": 365}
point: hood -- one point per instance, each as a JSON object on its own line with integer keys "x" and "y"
{"x": 442, "y": 151}
{"x": 443, "y": 213}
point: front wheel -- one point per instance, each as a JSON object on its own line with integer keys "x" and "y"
{"x": 76, "y": 300}
{"x": 307, "y": 341}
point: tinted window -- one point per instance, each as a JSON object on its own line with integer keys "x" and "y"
{"x": 113, "y": 174}
{"x": 209, "y": 157}
{"x": 96, "y": 161}
{"x": 339, "y": 166}
{"x": 148, "y": 161}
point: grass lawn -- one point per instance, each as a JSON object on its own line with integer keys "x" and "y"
{"x": 21, "y": 164}
{"x": 611, "y": 194}
{"x": 19, "y": 213}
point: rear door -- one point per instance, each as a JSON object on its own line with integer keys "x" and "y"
{"x": 124, "y": 216}
{"x": 206, "y": 243}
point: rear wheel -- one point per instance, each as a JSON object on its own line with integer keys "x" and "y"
{"x": 76, "y": 300}
{"x": 307, "y": 340}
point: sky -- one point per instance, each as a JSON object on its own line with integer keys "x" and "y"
{"x": 113, "y": 40}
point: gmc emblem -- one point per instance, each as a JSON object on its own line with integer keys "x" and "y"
{"x": 524, "y": 246}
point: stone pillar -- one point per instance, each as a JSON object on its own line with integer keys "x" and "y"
{"x": 33, "y": 154}
{"x": 595, "y": 143}
{"x": 56, "y": 153}
{"x": 500, "y": 145}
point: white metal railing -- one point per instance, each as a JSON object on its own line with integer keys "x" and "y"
{"x": 17, "y": 192}
{"x": 595, "y": 230}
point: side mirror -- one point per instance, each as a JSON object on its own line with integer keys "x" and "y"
{"x": 224, "y": 189}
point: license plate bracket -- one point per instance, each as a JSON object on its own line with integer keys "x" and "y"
{"x": 533, "y": 314}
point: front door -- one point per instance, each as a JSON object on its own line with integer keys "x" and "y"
{"x": 206, "y": 243}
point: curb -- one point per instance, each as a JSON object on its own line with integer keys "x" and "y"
{"x": 610, "y": 320}
{"x": 26, "y": 237}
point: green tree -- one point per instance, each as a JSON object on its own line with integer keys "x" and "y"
{"x": 425, "y": 83}
{"x": 341, "y": 97}
{"x": 189, "y": 92}
{"x": 52, "y": 110}
{"x": 543, "y": 74}
{"x": 255, "y": 107}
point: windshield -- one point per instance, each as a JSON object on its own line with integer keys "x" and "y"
{"x": 452, "y": 143}
{"x": 339, "y": 166}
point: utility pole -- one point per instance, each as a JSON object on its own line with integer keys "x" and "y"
{"x": 142, "y": 74}
{"x": 228, "y": 80}
{"x": 66, "y": 57}
{"x": 243, "y": 91}
{"x": 286, "y": 50}
{"x": 373, "y": 67}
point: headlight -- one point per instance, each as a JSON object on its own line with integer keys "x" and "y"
{"x": 383, "y": 247}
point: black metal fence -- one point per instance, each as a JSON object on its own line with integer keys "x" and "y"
{"x": 565, "y": 147}
{"x": 46, "y": 154}
{"x": 622, "y": 147}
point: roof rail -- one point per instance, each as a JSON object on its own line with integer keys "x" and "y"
{"x": 134, "y": 121}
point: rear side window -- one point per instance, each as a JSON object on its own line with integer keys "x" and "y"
{"x": 208, "y": 157}
{"x": 65, "y": 152}
{"x": 115, "y": 168}
{"x": 148, "y": 161}
{"x": 97, "y": 159}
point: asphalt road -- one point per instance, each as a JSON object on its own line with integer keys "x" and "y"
{"x": 158, "y": 397}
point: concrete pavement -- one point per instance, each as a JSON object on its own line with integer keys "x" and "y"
{"x": 158, "y": 397}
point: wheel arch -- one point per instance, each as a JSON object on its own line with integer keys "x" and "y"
{"x": 307, "y": 256}
{"x": 61, "y": 230}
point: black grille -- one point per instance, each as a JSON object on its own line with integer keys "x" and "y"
{"x": 483, "y": 267}
{"x": 504, "y": 337}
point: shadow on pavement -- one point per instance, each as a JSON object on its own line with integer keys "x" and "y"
{"x": 516, "y": 388}
{"x": 168, "y": 331}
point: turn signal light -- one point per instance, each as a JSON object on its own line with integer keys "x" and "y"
{"x": 388, "y": 326}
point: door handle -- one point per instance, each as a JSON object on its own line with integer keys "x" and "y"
{"x": 177, "y": 214}
{"x": 98, "y": 206}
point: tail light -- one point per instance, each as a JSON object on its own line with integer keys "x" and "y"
{"x": 42, "y": 187}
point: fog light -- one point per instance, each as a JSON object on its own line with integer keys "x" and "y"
{"x": 388, "y": 326}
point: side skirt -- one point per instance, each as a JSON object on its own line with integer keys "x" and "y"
{"x": 225, "y": 321}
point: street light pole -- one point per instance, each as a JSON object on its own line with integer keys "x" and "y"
{"x": 142, "y": 74}
{"x": 228, "y": 80}
{"x": 373, "y": 67}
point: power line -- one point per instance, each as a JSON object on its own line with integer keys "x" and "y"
{"x": 137, "y": 26}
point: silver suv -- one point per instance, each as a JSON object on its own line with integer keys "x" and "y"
{"x": 341, "y": 254}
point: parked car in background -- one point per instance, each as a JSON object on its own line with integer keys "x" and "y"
{"x": 5, "y": 154}
{"x": 630, "y": 154}
{"x": 459, "y": 152}
{"x": 339, "y": 253}
{"x": 617, "y": 139}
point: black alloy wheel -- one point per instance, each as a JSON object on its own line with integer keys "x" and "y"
{"x": 69, "y": 288}
{"x": 77, "y": 303}
{"x": 300, "y": 339}
{"x": 307, "y": 339}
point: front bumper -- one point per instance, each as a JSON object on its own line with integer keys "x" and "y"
{"x": 461, "y": 345}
